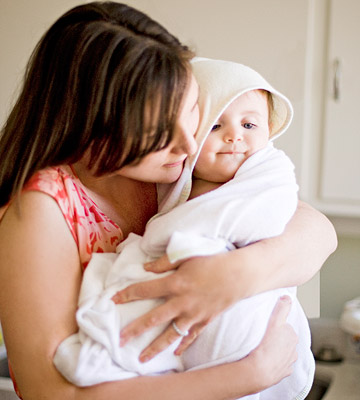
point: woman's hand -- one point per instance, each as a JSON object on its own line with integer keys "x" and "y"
{"x": 194, "y": 294}
{"x": 274, "y": 357}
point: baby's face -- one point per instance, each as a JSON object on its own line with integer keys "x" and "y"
{"x": 241, "y": 130}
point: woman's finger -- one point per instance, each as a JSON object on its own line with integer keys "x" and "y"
{"x": 143, "y": 290}
{"x": 164, "y": 313}
{"x": 162, "y": 342}
{"x": 281, "y": 311}
{"x": 194, "y": 332}
{"x": 277, "y": 352}
{"x": 162, "y": 264}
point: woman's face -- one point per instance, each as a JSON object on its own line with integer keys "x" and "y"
{"x": 165, "y": 166}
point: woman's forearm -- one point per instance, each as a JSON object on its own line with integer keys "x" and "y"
{"x": 223, "y": 382}
{"x": 290, "y": 259}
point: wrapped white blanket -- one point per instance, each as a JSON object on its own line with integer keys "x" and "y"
{"x": 256, "y": 204}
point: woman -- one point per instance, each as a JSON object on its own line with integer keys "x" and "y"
{"x": 109, "y": 109}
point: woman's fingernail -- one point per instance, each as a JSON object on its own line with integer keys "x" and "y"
{"x": 118, "y": 298}
{"x": 115, "y": 298}
{"x": 149, "y": 266}
{"x": 144, "y": 358}
{"x": 285, "y": 298}
{"x": 123, "y": 339}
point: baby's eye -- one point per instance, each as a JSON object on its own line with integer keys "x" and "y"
{"x": 248, "y": 125}
{"x": 215, "y": 127}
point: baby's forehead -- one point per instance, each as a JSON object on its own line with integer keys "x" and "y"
{"x": 252, "y": 94}
{"x": 252, "y": 101}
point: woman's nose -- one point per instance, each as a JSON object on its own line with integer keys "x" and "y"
{"x": 185, "y": 143}
{"x": 189, "y": 144}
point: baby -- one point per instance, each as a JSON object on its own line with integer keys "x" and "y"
{"x": 240, "y": 190}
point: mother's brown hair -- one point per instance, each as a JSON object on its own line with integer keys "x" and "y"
{"x": 88, "y": 87}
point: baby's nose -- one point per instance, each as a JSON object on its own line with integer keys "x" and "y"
{"x": 233, "y": 135}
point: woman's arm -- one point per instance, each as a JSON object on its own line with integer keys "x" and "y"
{"x": 218, "y": 281}
{"x": 294, "y": 257}
{"x": 39, "y": 284}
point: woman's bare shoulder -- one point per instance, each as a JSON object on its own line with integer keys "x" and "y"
{"x": 35, "y": 239}
{"x": 34, "y": 227}
{"x": 32, "y": 215}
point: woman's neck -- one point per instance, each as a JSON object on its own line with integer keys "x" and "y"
{"x": 129, "y": 203}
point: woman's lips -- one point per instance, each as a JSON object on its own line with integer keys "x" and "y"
{"x": 175, "y": 164}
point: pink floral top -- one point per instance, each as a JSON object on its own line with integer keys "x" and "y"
{"x": 92, "y": 230}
